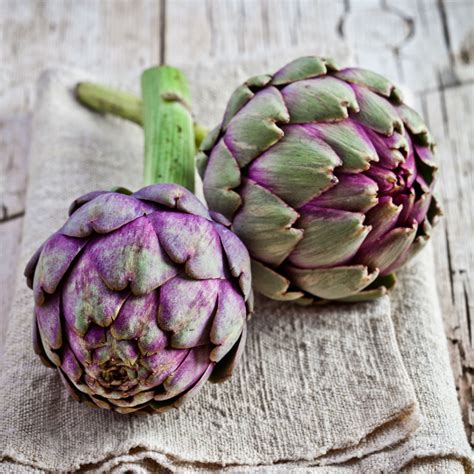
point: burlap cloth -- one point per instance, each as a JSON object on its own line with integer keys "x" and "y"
{"x": 357, "y": 388}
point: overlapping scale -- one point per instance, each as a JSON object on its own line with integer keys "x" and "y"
{"x": 190, "y": 240}
{"x": 253, "y": 129}
{"x": 237, "y": 258}
{"x": 331, "y": 237}
{"x": 324, "y": 99}
{"x": 309, "y": 172}
{"x": 187, "y": 309}
{"x": 188, "y": 373}
{"x": 221, "y": 180}
{"x": 228, "y": 322}
{"x": 132, "y": 256}
{"x": 173, "y": 196}
{"x": 265, "y": 222}
{"x": 103, "y": 214}
{"x": 56, "y": 256}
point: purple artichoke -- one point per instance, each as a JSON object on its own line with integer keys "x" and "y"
{"x": 139, "y": 299}
{"x": 326, "y": 176}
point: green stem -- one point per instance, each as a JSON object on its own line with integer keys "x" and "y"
{"x": 105, "y": 99}
{"x": 168, "y": 127}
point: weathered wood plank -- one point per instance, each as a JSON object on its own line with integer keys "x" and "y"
{"x": 449, "y": 113}
{"x": 113, "y": 39}
{"x": 418, "y": 44}
{"x": 401, "y": 38}
{"x": 239, "y": 38}
{"x": 14, "y": 142}
{"x": 216, "y": 30}
{"x": 9, "y": 250}
{"x": 458, "y": 19}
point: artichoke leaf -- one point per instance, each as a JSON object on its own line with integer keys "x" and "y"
{"x": 332, "y": 283}
{"x": 297, "y": 168}
{"x": 376, "y": 112}
{"x": 331, "y": 237}
{"x": 237, "y": 257}
{"x": 242, "y": 95}
{"x": 192, "y": 241}
{"x": 353, "y": 192}
{"x": 222, "y": 176}
{"x": 188, "y": 373}
{"x": 265, "y": 224}
{"x": 173, "y": 196}
{"x": 373, "y": 81}
{"x": 57, "y": 255}
{"x": 132, "y": 256}
{"x": 306, "y": 67}
{"x": 103, "y": 214}
{"x": 350, "y": 141}
{"x": 415, "y": 125}
{"x": 210, "y": 139}
{"x": 228, "y": 321}
{"x": 271, "y": 284}
{"x": 381, "y": 286}
{"x": 381, "y": 218}
{"x": 254, "y": 129}
{"x": 388, "y": 248}
{"x": 324, "y": 99}
{"x": 223, "y": 370}
{"x": 49, "y": 321}
{"x": 186, "y": 309}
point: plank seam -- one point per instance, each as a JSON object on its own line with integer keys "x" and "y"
{"x": 162, "y": 35}
{"x": 10, "y": 217}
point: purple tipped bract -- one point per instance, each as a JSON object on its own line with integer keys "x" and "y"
{"x": 139, "y": 299}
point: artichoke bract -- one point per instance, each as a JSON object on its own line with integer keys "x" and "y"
{"x": 139, "y": 299}
{"x": 326, "y": 176}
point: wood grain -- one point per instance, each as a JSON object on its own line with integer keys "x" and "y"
{"x": 449, "y": 113}
{"x": 113, "y": 39}
{"x": 426, "y": 45}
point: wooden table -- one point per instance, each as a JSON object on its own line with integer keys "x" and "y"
{"x": 427, "y": 45}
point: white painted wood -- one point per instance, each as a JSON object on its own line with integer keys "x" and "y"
{"x": 9, "y": 250}
{"x": 459, "y": 16}
{"x": 401, "y": 38}
{"x": 411, "y": 42}
{"x": 226, "y": 30}
{"x": 113, "y": 39}
{"x": 232, "y": 36}
{"x": 450, "y": 115}
{"x": 14, "y": 141}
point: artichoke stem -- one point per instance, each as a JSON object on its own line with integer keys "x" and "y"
{"x": 168, "y": 127}
{"x": 112, "y": 101}
{"x": 107, "y": 100}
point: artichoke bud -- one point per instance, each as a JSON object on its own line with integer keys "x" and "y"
{"x": 140, "y": 298}
{"x": 326, "y": 176}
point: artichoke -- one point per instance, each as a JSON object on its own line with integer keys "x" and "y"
{"x": 139, "y": 299}
{"x": 326, "y": 176}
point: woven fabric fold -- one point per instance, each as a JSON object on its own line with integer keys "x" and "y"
{"x": 358, "y": 388}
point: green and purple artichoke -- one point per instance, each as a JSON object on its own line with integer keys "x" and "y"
{"x": 326, "y": 176}
{"x": 139, "y": 299}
